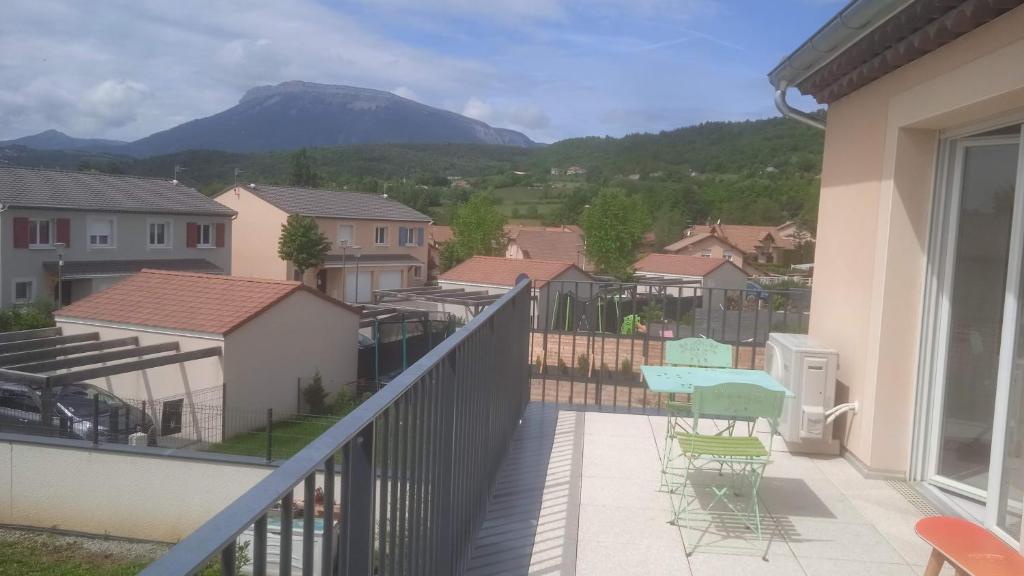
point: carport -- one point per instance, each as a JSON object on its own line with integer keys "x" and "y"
{"x": 34, "y": 357}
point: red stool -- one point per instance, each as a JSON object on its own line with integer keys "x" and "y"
{"x": 969, "y": 548}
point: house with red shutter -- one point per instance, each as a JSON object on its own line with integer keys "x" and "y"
{"x": 65, "y": 235}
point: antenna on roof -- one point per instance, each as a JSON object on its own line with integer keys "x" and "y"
{"x": 178, "y": 168}
{"x": 238, "y": 171}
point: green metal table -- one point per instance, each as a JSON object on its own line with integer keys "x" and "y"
{"x": 682, "y": 380}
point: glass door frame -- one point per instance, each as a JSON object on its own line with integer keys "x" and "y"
{"x": 932, "y": 367}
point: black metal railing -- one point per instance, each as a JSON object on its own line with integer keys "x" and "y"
{"x": 417, "y": 462}
{"x": 589, "y": 339}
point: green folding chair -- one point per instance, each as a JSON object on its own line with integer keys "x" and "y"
{"x": 695, "y": 352}
{"x": 745, "y": 458}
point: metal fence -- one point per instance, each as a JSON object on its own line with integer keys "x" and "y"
{"x": 589, "y": 339}
{"x": 418, "y": 460}
{"x": 398, "y": 342}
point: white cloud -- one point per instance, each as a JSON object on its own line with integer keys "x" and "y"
{"x": 517, "y": 116}
{"x": 406, "y": 92}
{"x": 132, "y": 67}
{"x": 551, "y": 10}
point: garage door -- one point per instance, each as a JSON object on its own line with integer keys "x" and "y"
{"x": 389, "y": 280}
{"x": 358, "y": 289}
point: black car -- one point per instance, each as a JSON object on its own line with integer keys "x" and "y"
{"x": 74, "y": 408}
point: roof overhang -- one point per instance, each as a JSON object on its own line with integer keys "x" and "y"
{"x": 871, "y": 38}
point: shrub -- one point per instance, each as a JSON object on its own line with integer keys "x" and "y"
{"x": 344, "y": 402}
{"x": 538, "y": 363}
{"x": 562, "y": 367}
{"x": 38, "y": 314}
{"x": 627, "y": 366}
{"x": 314, "y": 395}
{"x": 583, "y": 363}
{"x": 605, "y": 369}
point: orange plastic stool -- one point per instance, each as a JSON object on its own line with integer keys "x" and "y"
{"x": 969, "y": 548}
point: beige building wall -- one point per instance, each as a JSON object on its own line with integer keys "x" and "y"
{"x": 294, "y": 339}
{"x": 876, "y": 195}
{"x": 254, "y": 235}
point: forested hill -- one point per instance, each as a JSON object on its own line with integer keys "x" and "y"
{"x": 753, "y": 172}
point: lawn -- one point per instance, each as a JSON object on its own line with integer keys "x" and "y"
{"x": 287, "y": 437}
{"x": 27, "y": 553}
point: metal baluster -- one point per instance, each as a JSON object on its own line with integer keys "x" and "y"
{"x": 284, "y": 559}
{"x": 259, "y": 553}
{"x": 327, "y": 543}
{"x": 227, "y": 559}
{"x": 308, "y": 519}
{"x": 385, "y": 470}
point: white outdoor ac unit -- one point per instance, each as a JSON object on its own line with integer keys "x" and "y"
{"x": 808, "y": 370}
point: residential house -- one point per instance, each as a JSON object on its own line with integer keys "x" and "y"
{"x": 437, "y": 236}
{"x": 918, "y": 256}
{"x": 710, "y": 279}
{"x": 103, "y": 228}
{"x": 273, "y": 334}
{"x": 575, "y": 171}
{"x": 745, "y": 246}
{"x": 496, "y": 275}
{"x": 557, "y": 243}
{"x": 376, "y": 242}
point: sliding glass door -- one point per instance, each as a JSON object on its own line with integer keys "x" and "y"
{"x": 975, "y": 438}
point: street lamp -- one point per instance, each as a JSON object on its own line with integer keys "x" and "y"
{"x": 60, "y": 273}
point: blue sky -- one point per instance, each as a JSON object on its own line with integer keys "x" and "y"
{"x": 550, "y": 68}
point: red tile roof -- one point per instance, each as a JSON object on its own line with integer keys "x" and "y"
{"x": 679, "y": 265}
{"x": 439, "y": 234}
{"x": 496, "y": 271}
{"x": 194, "y": 302}
{"x": 556, "y": 245}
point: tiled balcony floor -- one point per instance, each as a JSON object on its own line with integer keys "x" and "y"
{"x": 578, "y": 494}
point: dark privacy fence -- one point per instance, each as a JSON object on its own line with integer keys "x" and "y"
{"x": 399, "y": 341}
{"x": 403, "y": 480}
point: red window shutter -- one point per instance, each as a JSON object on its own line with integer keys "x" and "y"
{"x": 191, "y": 235}
{"x": 64, "y": 231}
{"x": 21, "y": 232}
{"x": 220, "y": 234}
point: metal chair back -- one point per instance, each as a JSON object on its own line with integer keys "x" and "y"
{"x": 738, "y": 401}
{"x": 698, "y": 352}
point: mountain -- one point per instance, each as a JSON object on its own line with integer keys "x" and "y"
{"x": 302, "y": 114}
{"x": 57, "y": 140}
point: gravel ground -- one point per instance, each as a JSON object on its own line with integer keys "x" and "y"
{"x": 122, "y": 550}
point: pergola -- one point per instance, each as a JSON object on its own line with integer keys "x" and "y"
{"x": 45, "y": 358}
{"x": 475, "y": 300}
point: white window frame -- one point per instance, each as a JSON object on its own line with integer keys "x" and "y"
{"x": 410, "y": 237}
{"x": 351, "y": 236}
{"x": 376, "y": 236}
{"x": 211, "y": 237}
{"x": 727, "y": 254}
{"x": 51, "y": 227}
{"x": 417, "y": 272}
{"x": 705, "y": 253}
{"x": 168, "y": 233}
{"x": 113, "y": 232}
{"x": 31, "y": 290}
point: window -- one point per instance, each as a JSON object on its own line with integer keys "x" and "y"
{"x": 40, "y": 233}
{"x": 727, "y": 255}
{"x": 380, "y": 235}
{"x": 345, "y": 234}
{"x": 705, "y": 253}
{"x": 159, "y": 234}
{"x": 23, "y": 291}
{"x": 417, "y": 271}
{"x": 100, "y": 232}
{"x": 204, "y": 235}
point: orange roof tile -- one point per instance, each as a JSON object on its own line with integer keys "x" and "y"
{"x": 556, "y": 244}
{"x": 439, "y": 234}
{"x": 195, "y": 302}
{"x": 496, "y": 271}
{"x": 679, "y": 265}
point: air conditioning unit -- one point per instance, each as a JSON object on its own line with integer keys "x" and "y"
{"x": 808, "y": 370}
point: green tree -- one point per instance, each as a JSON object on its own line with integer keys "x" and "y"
{"x": 668, "y": 227}
{"x": 614, "y": 227}
{"x": 479, "y": 228}
{"x": 450, "y": 256}
{"x": 302, "y": 243}
{"x": 303, "y": 173}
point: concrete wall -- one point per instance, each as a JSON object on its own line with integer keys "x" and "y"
{"x": 256, "y": 231}
{"x": 130, "y": 243}
{"x": 101, "y": 492}
{"x": 295, "y": 338}
{"x": 876, "y": 196}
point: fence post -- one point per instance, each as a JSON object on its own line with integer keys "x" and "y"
{"x": 96, "y": 420}
{"x": 270, "y": 434}
{"x": 357, "y": 501}
{"x": 298, "y": 395}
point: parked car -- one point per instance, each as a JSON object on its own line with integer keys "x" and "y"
{"x": 75, "y": 404}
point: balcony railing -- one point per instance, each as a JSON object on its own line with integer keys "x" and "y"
{"x": 417, "y": 462}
